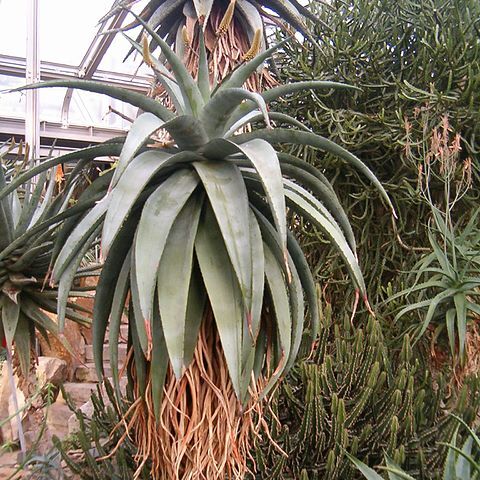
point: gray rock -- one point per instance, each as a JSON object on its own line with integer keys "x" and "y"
{"x": 51, "y": 370}
{"x": 73, "y": 423}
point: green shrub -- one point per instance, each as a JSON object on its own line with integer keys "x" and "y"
{"x": 415, "y": 63}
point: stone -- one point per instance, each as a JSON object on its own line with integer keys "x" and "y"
{"x": 8, "y": 465}
{"x": 122, "y": 353}
{"x": 51, "y": 370}
{"x": 79, "y": 392}
{"x": 58, "y": 416}
{"x": 87, "y": 411}
{"x": 55, "y": 348}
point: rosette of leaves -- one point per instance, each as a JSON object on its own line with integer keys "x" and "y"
{"x": 445, "y": 282}
{"x": 201, "y": 220}
{"x": 31, "y": 214}
{"x": 195, "y": 240}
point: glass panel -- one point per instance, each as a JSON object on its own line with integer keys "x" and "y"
{"x": 113, "y": 59}
{"x": 86, "y": 108}
{"x": 66, "y": 28}
{"x": 13, "y": 27}
{"x": 93, "y": 110}
{"x": 12, "y": 104}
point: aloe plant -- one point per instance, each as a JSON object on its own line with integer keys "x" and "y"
{"x": 31, "y": 215}
{"x": 196, "y": 223}
{"x": 204, "y": 216}
{"x": 446, "y": 282}
{"x": 232, "y": 29}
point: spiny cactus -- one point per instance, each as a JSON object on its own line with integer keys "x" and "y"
{"x": 99, "y": 436}
{"x": 356, "y": 395}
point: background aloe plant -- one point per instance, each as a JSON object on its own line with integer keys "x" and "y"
{"x": 445, "y": 282}
{"x": 31, "y": 215}
{"x": 233, "y": 31}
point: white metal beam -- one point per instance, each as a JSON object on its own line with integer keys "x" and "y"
{"x": 85, "y": 135}
{"x": 16, "y": 67}
{"x": 32, "y": 75}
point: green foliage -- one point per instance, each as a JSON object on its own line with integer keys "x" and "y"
{"x": 461, "y": 463}
{"x": 408, "y": 58}
{"x": 414, "y": 62}
{"x": 355, "y": 395}
{"x": 203, "y": 217}
{"x": 445, "y": 283}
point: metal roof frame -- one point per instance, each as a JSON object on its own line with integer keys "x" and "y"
{"x": 95, "y": 52}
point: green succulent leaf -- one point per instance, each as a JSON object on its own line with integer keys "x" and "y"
{"x": 141, "y": 130}
{"x": 307, "y": 282}
{"x": 6, "y": 220}
{"x": 219, "y": 108}
{"x": 161, "y": 208}
{"x": 203, "y": 79}
{"x": 78, "y": 237}
{"x": 221, "y": 283}
{"x": 243, "y": 72}
{"x": 251, "y": 327}
{"x": 68, "y": 275}
{"x": 282, "y": 135}
{"x": 10, "y": 314}
{"x": 461, "y": 312}
{"x": 277, "y": 286}
{"x": 256, "y": 116}
{"x": 263, "y": 158}
{"x": 22, "y": 343}
{"x": 106, "y": 288}
{"x": 332, "y": 231}
{"x": 127, "y": 190}
{"x": 133, "y": 98}
{"x": 159, "y": 363}
{"x": 463, "y": 466}
{"x": 173, "y": 284}
{"x": 188, "y": 132}
{"x": 117, "y": 311}
{"x": 31, "y": 206}
{"x": 192, "y": 97}
{"x": 367, "y": 472}
{"x": 289, "y": 88}
{"x": 163, "y": 76}
{"x": 227, "y": 194}
{"x": 142, "y": 326}
{"x": 258, "y": 275}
